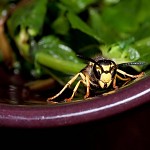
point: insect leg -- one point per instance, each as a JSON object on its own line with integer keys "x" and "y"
{"x": 129, "y": 75}
{"x": 83, "y": 80}
{"x": 87, "y": 80}
{"x": 74, "y": 91}
{"x": 114, "y": 83}
{"x": 123, "y": 79}
{"x": 66, "y": 86}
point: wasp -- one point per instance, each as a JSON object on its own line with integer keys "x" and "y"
{"x": 100, "y": 73}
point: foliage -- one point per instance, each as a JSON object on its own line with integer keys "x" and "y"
{"x": 49, "y": 34}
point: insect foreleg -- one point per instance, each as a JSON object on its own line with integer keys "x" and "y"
{"x": 123, "y": 79}
{"x": 83, "y": 80}
{"x": 114, "y": 83}
{"x": 74, "y": 91}
{"x": 87, "y": 80}
{"x": 66, "y": 86}
{"x": 129, "y": 75}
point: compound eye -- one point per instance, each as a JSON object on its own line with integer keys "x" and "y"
{"x": 113, "y": 71}
{"x": 98, "y": 74}
{"x": 97, "y": 71}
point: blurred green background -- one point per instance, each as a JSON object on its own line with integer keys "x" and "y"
{"x": 43, "y": 37}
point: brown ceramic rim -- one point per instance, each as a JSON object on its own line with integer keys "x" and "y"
{"x": 39, "y": 116}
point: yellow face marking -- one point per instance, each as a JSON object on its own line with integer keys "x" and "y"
{"x": 105, "y": 74}
{"x": 105, "y": 77}
{"x": 106, "y": 67}
{"x": 105, "y": 80}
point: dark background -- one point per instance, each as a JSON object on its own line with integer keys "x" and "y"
{"x": 129, "y": 130}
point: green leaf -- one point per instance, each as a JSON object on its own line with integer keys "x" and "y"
{"x": 61, "y": 65}
{"x": 143, "y": 11}
{"x": 101, "y": 28}
{"x": 122, "y": 16}
{"x": 77, "y": 23}
{"x": 56, "y": 48}
{"x": 143, "y": 47}
{"x": 61, "y": 25}
{"x": 31, "y": 17}
{"x": 128, "y": 51}
{"x": 51, "y": 52}
{"x": 143, "y": 31}
{"x": 124, "y": 19}
{"x": 77, "y": 5}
